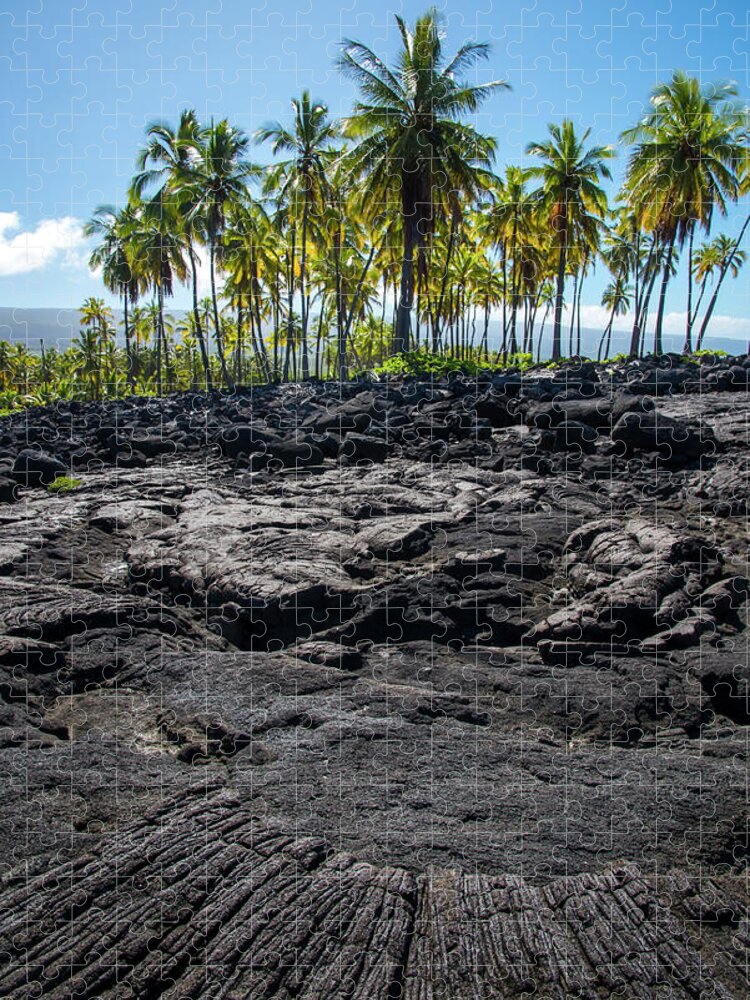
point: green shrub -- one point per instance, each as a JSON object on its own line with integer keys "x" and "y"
{"x": 705, "y": 353}
{"x": 425, "y": 364}
{"x": 64, "y": 484}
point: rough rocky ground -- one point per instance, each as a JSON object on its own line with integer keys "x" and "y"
{"x": 400, "y": 690}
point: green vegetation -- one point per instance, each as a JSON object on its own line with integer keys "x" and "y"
{"x": 64, "y": 484}
{"x": 427, "y": 364}
{"x": 385, "y": 242}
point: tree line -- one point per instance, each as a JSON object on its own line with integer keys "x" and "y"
{"x": 389, "y": 232}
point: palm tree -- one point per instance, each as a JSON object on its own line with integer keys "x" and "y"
{"x": 509, "y": 222}
{"x": 570, "y": 198}
{"x": 97, "y": 318}
{"x": 490, "y": 288}
{"x": 617, "y": 298}
{"x": 629, "y": 253}
{"x": 159, "y": 247}
{"x": 85, "y": 351}
{"x": 112, "y": 255}
{"x": 706, "y": 262}
{"x": 414, "y": 148}
{"x": 305, "y": 173}
{"x": 547, "y": 298}
{"x": 166, "y": 173}
{"x": 684, "y": 166}
{"x": 245, "y": 252}
{"x": 533, "y": 276}
{"x": 218, "y": 180}
{"x": 724, "y": 256}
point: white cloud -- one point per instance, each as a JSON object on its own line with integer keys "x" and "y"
{"x": 204, "y": 272}
{"x": 593, "y": 317}
{"x": 720, "y": 326}
{"x": 596, "y": 318}
{"x": 53, "y": 240}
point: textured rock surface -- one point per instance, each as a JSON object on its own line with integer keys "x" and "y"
{"x": 423, "y": 692}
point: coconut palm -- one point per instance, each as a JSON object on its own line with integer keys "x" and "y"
{"x": 621, "y": 253}
{"x": 534, "y": 270}
{"x": 684, "y": 167}
{"x": 509, "y": 223}
{"x": 97, "y": 318}
{"x": 706, "y": 263}
{"x": 166, "y": 172}
{"x": 414, "y": 150}
{"x": 112, "y": 229}
{"x": 303, "y": 177}
{"x": 617, "y": 297}
{"x": 218, "y": 180}
{"x": 723, "y": 256}
{"x": 570, "y": 200}
{"x": 86, "y": 350}
{"x": 160, "y": 248}
{"x": 245, "y": 252}
{"x": 490, "y": 288}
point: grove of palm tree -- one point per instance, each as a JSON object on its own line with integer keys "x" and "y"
{"x": 391, "y": 241}
{"x": 374, "y": 544}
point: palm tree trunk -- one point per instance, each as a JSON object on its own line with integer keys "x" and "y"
{"x": 541, "y": 331}
{"x": 290, "y": 307}
{"x": 276, "y": 326}
{"x": 382, "y": 320}
{"x": 503, "y": 352}
{"x": 573, "y": 314}
{"x": 722, "y": 274}
{"x": 340, "y": 327}
{"x": 251, "y": 330}
{"x": 159, "y": 326}
{"x": 192, "y": 354}
{"x": 485, "y": 335}
{"x": 438, "y": 317}
{"x": 514, "y": 289}
{"x": 238, "y": 351}
{"x": 128, "y": 357}
{"x": 419, "y": 295}
{"x": 557, "y": 329}
{"x": 687, "y": 347}
{"x": 395, "y": 315}
{"x": 578, "y": 314}
{"x": 254, "y": 338}
{"x": 504, "y": 259}
{"x": 699, "y": 301}
{"x": 100, "y": 362}
{"x": 319, "y": 336}
{"x": 658, "y": 347}
{"x": 217, "y": 321}
{"x": 406, "y": 297}
{"x": 636, "y": 289}
{"x": 606, "y": 335}
{"x": 255, "y": 303}
{"x": 302, "y": 277}
{"x": 642, "y": 296}
{"x": 167, "y": 361}
{"x": 197, "y": 320}
{"x": 710, "y": 308}
{"x": 643, "y": 314}
{"x": 355, "y": 300}
{"x": 533, "y": 313}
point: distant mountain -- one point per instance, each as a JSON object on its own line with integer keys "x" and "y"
{"x": 57, "y": 328}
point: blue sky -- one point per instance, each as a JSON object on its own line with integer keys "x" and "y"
{"x": 81, "y": 80}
